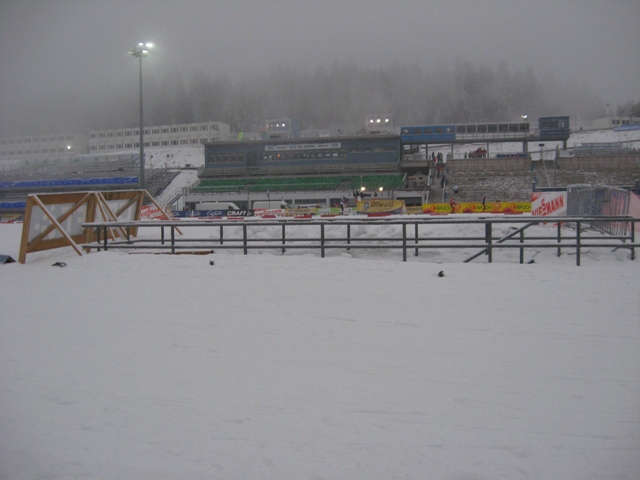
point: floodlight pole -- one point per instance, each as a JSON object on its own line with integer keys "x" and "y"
{"x": 141, "y": 180}
{"x": 139, "y": 51}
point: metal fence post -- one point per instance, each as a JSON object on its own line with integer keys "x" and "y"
{"x": 416, "y": 231}
{"x": 578, "y": 243}
{"x": 322, "y": 240}
{"x": 283, "y": 239}
{"x": 633, "y": 239}
{"x": 559, "y": 238}
{"x": 404, "y": 242}
{"x": 488, "y": 234}
{"x": 98, "y": 237}
{"x": 244, "y": 238}
{"x": 173, "y": 239}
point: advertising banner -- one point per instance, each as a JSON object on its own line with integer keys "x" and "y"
{"x": 270, "y": 212}
{"x": 477, "y": 207}
{"x": 149, "y": 212}
{"x": 548, "y": 203}
{"x": 381, "y": 206}
{"x": 203, "y": 214}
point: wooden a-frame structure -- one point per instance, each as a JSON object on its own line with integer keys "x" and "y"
{"x": 54, "y": 220}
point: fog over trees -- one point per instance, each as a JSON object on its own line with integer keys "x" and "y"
{"x": 342, "y": 94}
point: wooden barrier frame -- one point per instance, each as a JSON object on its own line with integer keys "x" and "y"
{"x": 54, "y": 220}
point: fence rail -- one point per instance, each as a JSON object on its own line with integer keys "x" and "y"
{"x": 240, "y": 234}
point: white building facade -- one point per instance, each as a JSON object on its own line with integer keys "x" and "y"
{"x": 613, "y": 122}
{"x": 43, "y": 146}
{"x": 158, "y": 136}
{"x": 38, "y": 147}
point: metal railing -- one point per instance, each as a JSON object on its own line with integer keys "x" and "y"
{"x": 243, "y": 234}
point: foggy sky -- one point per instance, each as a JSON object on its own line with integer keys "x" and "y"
{"x": 52, "y": 46}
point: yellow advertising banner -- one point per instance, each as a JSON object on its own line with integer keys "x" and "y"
{"x": 381, "y": 206}
{"x": 477, "y": 207}
{"x": 414, "y": 210}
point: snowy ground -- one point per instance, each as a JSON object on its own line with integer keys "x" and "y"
{"x": 355, "y": 366}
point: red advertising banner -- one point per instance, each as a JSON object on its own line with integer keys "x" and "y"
{"x": 548, "y": 203}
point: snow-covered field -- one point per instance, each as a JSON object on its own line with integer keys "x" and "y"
{"x": 355, "y": 366}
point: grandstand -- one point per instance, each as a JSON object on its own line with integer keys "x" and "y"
{"x": 319, "y": 170}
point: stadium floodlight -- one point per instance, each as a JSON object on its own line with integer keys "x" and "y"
{"x": 140, "y": 51}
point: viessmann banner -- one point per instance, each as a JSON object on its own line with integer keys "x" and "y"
{"x": 549, "y": 203}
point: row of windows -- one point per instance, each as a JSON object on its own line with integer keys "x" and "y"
{"x": 33, "y": 152}
{"x": 154, "y": 131}
{"x": 164, "y": 143}
{"x": 493, "y": 128}
{"x": 473, "y": 128}
{"x": 58, "y": 138}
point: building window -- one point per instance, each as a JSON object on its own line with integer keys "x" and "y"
{"x": 155, "y": 131}
{"x": 174, "y": 129}
{"x": 165, "y": 130}
{"x": 165, "y": 143}
{"x": 204, "y": 127}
